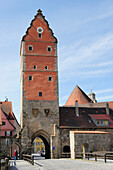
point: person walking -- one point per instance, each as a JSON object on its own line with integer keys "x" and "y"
{"x": 15, "y": 157}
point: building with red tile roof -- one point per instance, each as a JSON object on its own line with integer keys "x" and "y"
{"x": 78, "y": 95}
{"x": 9, "y": 127}
{"x": 87, "y": 116}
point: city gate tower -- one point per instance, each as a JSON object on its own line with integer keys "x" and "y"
{"x": 39, "y": 87}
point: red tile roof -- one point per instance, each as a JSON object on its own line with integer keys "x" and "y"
{"x": 68, "y": 117}
{"x": 100, "y": 116}
{"x": 7, "y": 107}
{"x": 78, "y": 95}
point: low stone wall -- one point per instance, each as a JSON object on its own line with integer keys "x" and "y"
{"x": 89, "y": 141}
{"x": 4, "y": 164}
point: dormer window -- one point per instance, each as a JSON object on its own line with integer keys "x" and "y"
{"x": 30, "y": 47}
{"x": 100, "y": 119}
{"x": 102, "y": 122}
{"x": 106, "y": 122}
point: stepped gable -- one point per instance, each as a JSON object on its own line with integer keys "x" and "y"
{"x": 39, "y": 20}
{"x": 78, "y": 95}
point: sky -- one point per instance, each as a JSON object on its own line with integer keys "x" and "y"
{"x": 84, "y": 30}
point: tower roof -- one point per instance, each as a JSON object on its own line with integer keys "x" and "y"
{"x": 78, "y": 95}
{"x": 38, "y": 17}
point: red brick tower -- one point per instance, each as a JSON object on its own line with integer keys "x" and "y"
{"x": 39, "y": 85}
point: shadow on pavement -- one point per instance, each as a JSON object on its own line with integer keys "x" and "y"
{"x": 38, "y": 164}
{"x": 13, "y": 168}
{"x": 12, "y": 165}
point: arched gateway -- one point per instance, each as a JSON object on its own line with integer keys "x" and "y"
{"x": 39, "y": 87}
{"x": 46, "y": 139}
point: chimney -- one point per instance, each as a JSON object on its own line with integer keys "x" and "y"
{"x": 107, "y": 108}
{"x": 76, "y": 108}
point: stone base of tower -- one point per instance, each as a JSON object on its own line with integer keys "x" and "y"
{"x": 25, "y": 142}
{"x": 52, "y": 143}
{"x": 55, "y": 144}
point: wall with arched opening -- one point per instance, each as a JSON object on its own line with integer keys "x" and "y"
{"x": 46, "y": 140}
{"x": 15, "y": 146}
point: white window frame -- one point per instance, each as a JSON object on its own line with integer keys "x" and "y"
{"x": 51, "y": 78}
{"x": 34, "y": 68}
{"x": 40, "y": 92}
{"x": 40, "y": 34}
{"x": 30, "y": 46}
{"x": 50, "y": 48}
{"x": 47, "y": 68}
{"x": 29, "y": 77}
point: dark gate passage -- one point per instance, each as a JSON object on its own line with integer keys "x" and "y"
{"x": 47, "y": 148}
{"x": 44, "y": 137}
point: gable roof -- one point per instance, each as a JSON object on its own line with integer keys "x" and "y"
{"x": 78, "y": 95}
{"x": 39, "y": 13}
{"x": 8, "y": 125}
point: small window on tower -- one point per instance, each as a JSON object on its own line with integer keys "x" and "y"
{"x": 34, "y": 66}
{"x": 30, "y": 78}
{"x": 46, "y": 67}
{"x": 40, "y": 31}
{"x": 40, "y": 94}
{"x": 49, "y": 48}
{"x": 30, "y": 47}
{"x": 49, "y": 78}
{"x": 39, "y": 35}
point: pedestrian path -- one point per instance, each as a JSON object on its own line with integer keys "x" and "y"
{"x": 61, "y": 164}
{"x": 21, "y": 165}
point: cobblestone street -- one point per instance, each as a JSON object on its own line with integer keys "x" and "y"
{"x": 61, "y": 164}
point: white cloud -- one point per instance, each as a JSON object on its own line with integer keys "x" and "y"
{"x": 100, "y": 64}
{"x": 105, "y": 98}
{"x": 62, "y": 99}
{"x": 104, "y": 91}
{"x": 79, "y": 56}
{"x": 97, "y": 17}
{"x": 96, "y": 73}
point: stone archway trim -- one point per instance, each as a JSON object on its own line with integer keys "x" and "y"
{"x": 41, "y": 133}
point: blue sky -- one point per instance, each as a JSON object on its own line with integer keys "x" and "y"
{"x": 84, "y": 30}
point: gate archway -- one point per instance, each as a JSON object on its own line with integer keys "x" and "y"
{"x": 46, "y": 139}
{"x": 15, "y": 146}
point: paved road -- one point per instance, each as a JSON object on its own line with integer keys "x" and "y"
{"x": 61, "y": 164}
